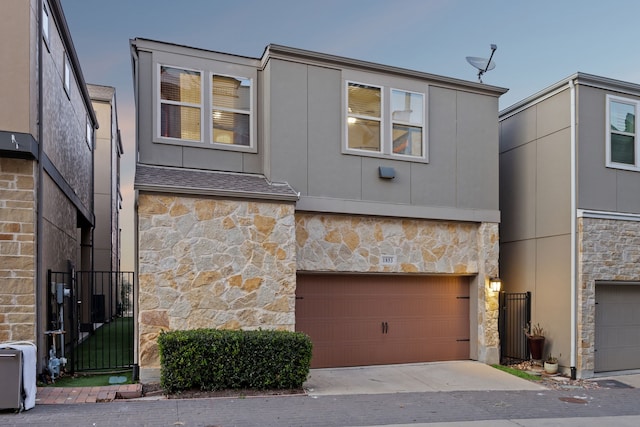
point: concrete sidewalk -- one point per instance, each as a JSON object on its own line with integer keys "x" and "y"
{"x": 413, "y": 378}
{"x": 446, "y": 394}
{"x": 622, "y": 421}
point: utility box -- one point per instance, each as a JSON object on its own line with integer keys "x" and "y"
{"x": 11, "y": 374}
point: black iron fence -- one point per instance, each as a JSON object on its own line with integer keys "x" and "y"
{"x": 96, "y": 310}
{"x": 515, "y": 315}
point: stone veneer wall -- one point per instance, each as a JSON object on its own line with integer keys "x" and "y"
{"x": 212, "y": 263}
{"x": 344, "y": 243}
{"x": 607, "y": 250}
{"x": 17, "y": 250}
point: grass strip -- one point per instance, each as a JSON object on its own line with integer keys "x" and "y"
{"x": 518, "y": 373}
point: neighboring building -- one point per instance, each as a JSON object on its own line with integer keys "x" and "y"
{"x": 570, "y": 230}
{"x": 106, "y": 192}
{"x": 46, "y": 166}
{"x": 353, "y": 201}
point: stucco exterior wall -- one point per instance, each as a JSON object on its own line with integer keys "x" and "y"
{"x": 18, "y": 30}
{"x": 17, "y": 250}
{"x": 608, "y": 250}
{"x": 208, "y": 263}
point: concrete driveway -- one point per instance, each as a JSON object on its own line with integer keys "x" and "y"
{"x": 418, "y": 377}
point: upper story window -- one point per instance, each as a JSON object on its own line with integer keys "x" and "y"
{"x": 364, "y": 117}
{"x": 231, "y": 110}
{"x": 407, "y": 118}
{"x": 622, "y": 137}
{"x": 384, "y": 121}
{"x": 89, "y": 133}
{"x": 45, "y": 21}
{"x": 202, "y": 108}
{"x": 66, "y": 75}
{"x": 180, "y": 104}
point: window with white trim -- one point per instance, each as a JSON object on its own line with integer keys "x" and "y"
{"x": 180, "y": 103}
{"x": 205, "y": 109}
{"x": 230, "y": 110}
{"x": 384, "y": 121}
{"x": 622, "y": 137}
{"x": 364, "y": 117}
{"x": 66, "y": 75}
{"x": 89, "y": 133}
{"x": 407, "y": 119}
{"x": 45, "y": 21}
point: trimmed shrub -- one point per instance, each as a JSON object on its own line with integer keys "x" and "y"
{"x": 211, "y": 359}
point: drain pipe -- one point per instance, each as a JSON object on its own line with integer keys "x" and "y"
{"x": 574, "y": 334}
{"x": 39, "y": 183}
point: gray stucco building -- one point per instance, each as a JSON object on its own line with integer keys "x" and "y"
{"x": 353, "y": 201}
{"x": 570, "y": 231}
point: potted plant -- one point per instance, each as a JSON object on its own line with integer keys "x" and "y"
{"x": 535, "y": 339}
{"x": 551, "y": 364}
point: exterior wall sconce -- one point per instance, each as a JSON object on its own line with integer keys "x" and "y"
{"x": 385, "y": 172}
{"x": 495, "y": 284}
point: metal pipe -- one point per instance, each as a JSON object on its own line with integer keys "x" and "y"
{"x": 39, "y": 192}
{"x": 574, "y": 333}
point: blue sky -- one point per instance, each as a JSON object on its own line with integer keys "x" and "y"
{"x": 539, "y": 42}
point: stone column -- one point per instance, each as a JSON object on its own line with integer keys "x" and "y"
{"x": 17, "y": 250}
{"x": 488, "y": 340}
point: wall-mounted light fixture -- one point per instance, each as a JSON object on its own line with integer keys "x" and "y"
{"x": 495, "y": 284}
{"x": 386, "y": 172}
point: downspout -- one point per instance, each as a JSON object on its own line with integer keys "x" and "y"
{"x": 136, "y": 305}
{"x": 574, "y": 302}
{"x": 39, "y": 192}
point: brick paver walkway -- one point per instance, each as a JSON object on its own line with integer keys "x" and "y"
{"x": 68, "y": 395}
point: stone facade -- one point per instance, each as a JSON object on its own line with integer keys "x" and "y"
{"x": 17, "y": 250}
{"x": 340, "y": 243}
{"x": 488, "y": 247}
{"x": 212, "y": 263}
{"x": 608, "y": 250}
{"x": 357, "y": 244}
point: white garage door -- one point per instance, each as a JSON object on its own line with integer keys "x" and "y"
{"x": 617, "y": 340}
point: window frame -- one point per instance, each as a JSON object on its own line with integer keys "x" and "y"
{"x": 636, "y": 144}
{"x": 90, "y": 132}
{"x": 365, "y": 117}
{"x": 423, "y": 125}
{"x": 207, "y": 70}
{"x": 46, "y": 22}
{"x": 387, "y": 85}
{"x": 160, "y": 101}
{"x": 251, "y": 114}
{"x": 66, "y": 75}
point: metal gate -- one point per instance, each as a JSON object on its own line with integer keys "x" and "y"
{"x": 515, "y": 315}
{"x": 94, "y": 311}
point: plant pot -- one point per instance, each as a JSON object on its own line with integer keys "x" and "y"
{"x": 551, "y": 368}
{"x": 536, "y": 347}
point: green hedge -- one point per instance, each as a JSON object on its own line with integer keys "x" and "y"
{"x": 210, "y": 359}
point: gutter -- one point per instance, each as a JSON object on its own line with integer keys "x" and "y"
{"x": 574, "y": 302}
{"x": 237, "y": 194}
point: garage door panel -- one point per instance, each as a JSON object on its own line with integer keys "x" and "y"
{"x": 617, "y": 326}
{"x": 368, "y": 320}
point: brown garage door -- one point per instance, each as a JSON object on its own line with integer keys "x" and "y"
{"x": 356, "y": 320}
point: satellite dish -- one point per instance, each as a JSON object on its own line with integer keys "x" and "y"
{"x": 482, "y": 64}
